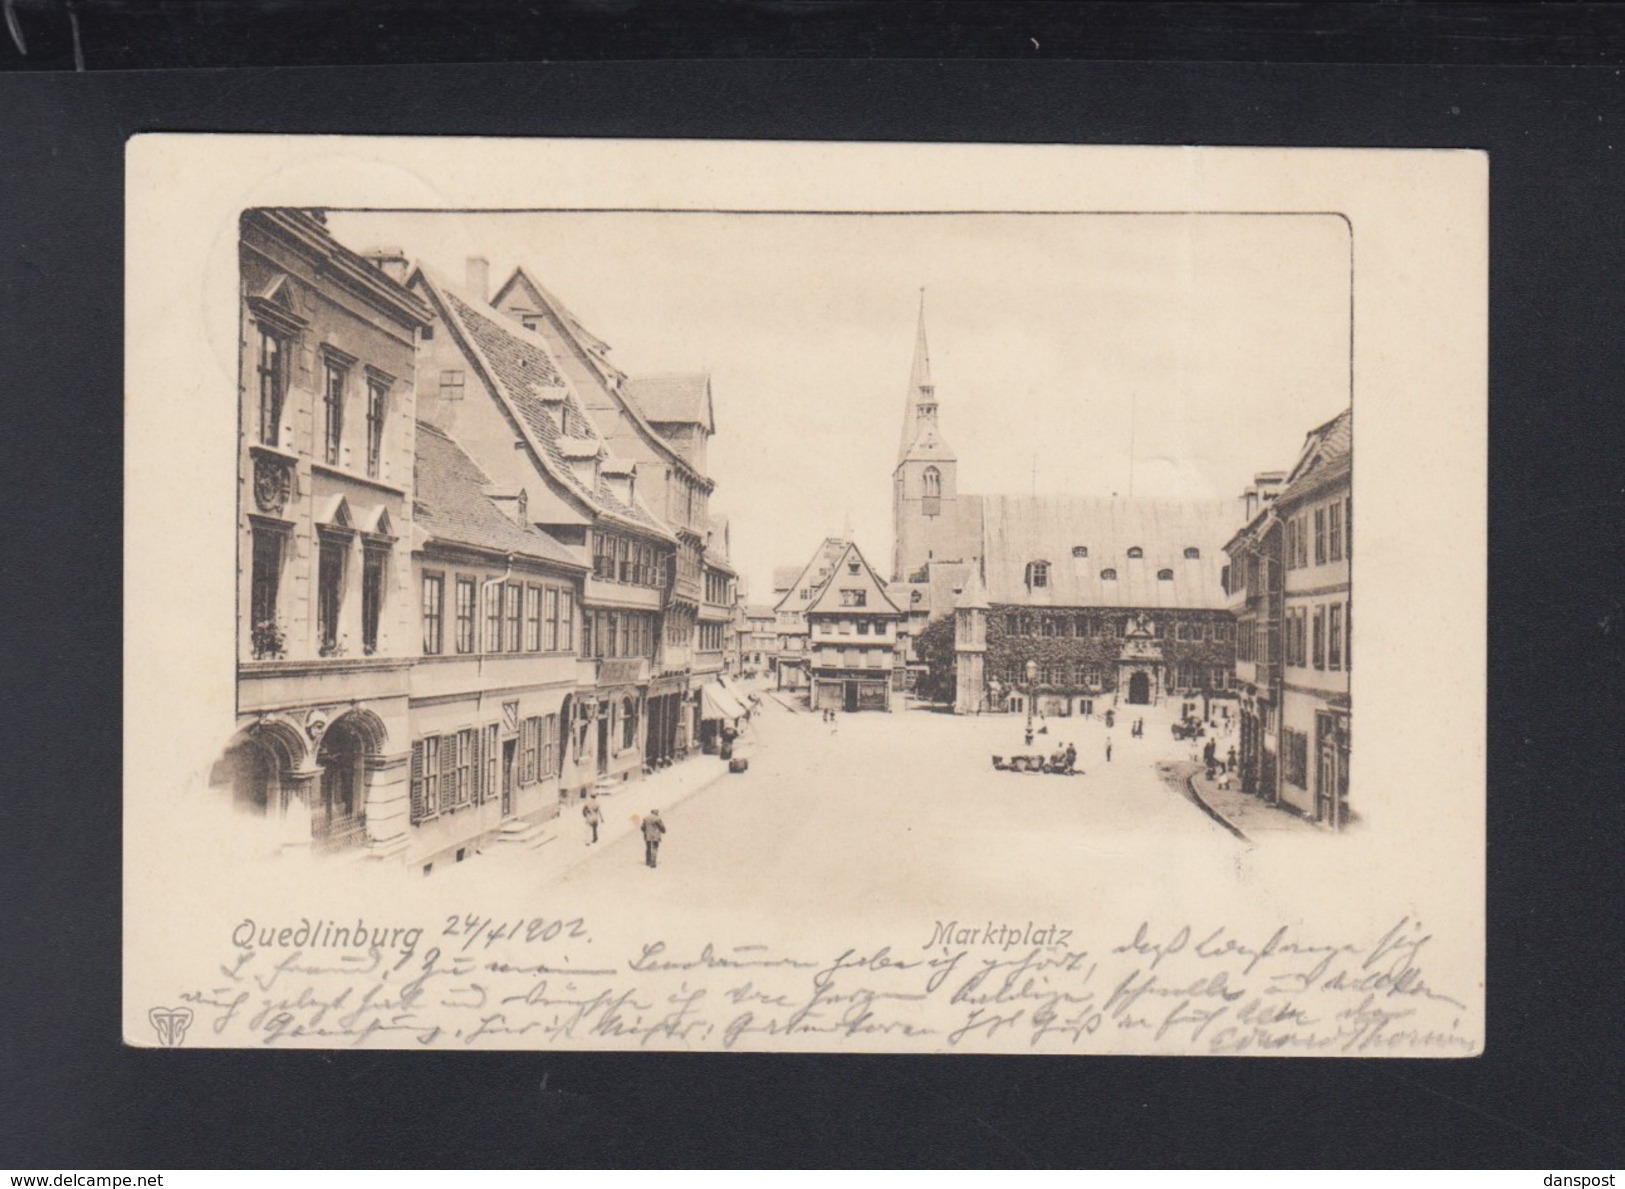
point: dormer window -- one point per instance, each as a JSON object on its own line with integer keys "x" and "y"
{"x": 1037, "y": 574}
{"x": 1192, "y": 553}
{"x": 1134, "y": 551}
{"x": 1165, "y": 575}
{"x": 1080, "y": 551}
{"x": 1108, "y": 575}
{"x": 852, "y": 567}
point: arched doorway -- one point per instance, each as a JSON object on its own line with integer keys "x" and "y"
{"x": 338, "y": 818}
{"x": 250, "y": 769}
{"x": 256, "y": 766}
{"x": 1139, "y": 688}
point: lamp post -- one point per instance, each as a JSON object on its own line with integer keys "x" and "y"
{"x": 1032, "y": 680}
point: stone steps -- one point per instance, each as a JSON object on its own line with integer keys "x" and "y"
{"x": 526, "y": 835}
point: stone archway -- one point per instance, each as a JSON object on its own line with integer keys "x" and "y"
{"x": 1139, "y": 688}
{"x": 349, "y": 749}
{"x": 260, "y": 767}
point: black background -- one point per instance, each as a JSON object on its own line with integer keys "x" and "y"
{"x": 1546, "y": 1095}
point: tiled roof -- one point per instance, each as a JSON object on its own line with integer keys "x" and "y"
{"x": 1022, "y": 529}
{"x": 672, "y": 398}
{"x": 784, "y": 577}
{"x": 450, "y": 505}
{"x": 531, "y": 383}
{"x": 828, "y": 599}
{"x": 759, "y": 611}
{"x": 1327, "y": 456}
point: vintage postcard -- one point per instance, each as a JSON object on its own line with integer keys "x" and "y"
{"x": 804, "y": 597}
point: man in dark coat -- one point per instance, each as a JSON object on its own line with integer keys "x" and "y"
{"x": 593, "y": 816}
{"x": 653, "y": 831}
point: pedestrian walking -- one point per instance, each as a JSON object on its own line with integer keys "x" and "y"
{"x": 593, "y": 816}
{"x": 1071, "y": 758}
{"x": 653, "y": 831}
{"x": 1108, "y": 749}
{"x": 1230, "y": 761}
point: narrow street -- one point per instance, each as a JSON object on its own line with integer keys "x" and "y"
{"x": 903, "y": 815}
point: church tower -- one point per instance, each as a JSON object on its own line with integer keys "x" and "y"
{"x": 925, "y": 484}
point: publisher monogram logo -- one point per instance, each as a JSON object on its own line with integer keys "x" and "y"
{"x": 170, "y": 1023}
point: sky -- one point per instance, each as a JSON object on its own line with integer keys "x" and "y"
{"x": 1069, "y": 352}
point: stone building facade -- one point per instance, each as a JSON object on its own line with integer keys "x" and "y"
{"x": 325, "y": 460}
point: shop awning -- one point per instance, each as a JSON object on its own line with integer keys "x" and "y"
{"x": 716, "y": 702}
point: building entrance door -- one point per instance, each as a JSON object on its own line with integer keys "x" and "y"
{"x": 850, "y": 704}
{"x": 509, "y": 748}
{"x": 337, "y": 817}
{"x": 603, "y": 740}
{"x": 1139, "y": 688}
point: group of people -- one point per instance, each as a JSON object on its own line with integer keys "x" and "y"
{"x": 653, "y": 828}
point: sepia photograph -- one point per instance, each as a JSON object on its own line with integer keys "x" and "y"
{"x": 829, "y": 598}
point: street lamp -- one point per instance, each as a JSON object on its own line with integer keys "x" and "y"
{"x": 1032, "y": 680}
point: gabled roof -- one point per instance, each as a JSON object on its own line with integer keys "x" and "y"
{"x": 1327, "y": 457}
{"x": 808, "y": 577}
{"x": 449, "y": 504}
{"x": 673, "y": 398}
{"x": 759, "y": 611}
{"x": 530, "y": 385}
{"x": 828, "y": 600}
{"x": 595, "y": 351}
{"x": 1018, "y": 530}
{"x": 784, "y": 577}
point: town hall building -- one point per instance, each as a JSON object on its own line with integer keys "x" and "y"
{"x": 1077, "y": 603}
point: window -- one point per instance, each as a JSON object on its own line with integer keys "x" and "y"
{"x": 489, "y": 758}
{"x": 932, "y": 503}
{"x": 1334, "y": 636}
{"x": 513, "y": 605}
{"x": 426, "y": 776}
{"x": 629, "y": 724}
{"x": 1224, "y": 579}
{"x": 567, "y": 620}
{"x": 551, "y": 617}
{"x": 1320, "y": 536}
{"x": 374, "y": 564}
{"x": 533, "y": 618}
{"x": 1108, "y": 575}
{"x": 854, "y": 598}
{"x": 1348, "y": 527}
{"x": 462, "y": 760}
{"x": 1165, "y": 575}
{"x": 1317, "y": 638}
{"x": 1135, "y": 551}
{"x": 1047, "y": 625}
{"x": 1292, "y": 544}
{"x": 377, "y": 407}
{"x": 863, "y": 627}
{"x": 1303, "y": 540}
{"x": 434, "y": 590}
{"x": 1080, "y": 551}
{"x": 1080, "y": 674}
{"x": 1224, "y": 630}
{"x": 530, "y": 738}
{"x": 330, "y": 593}
{"x": 272, "y": 372}
{"x": 880, "y": 628}
{"x": 465, "y": 613}
{"x": 1334, "y": 531}
{"x": 1295, "y": 757}
{"x": 451, "y": 385}
{"x": 1220, "y": 678}
{"x": 493, "y": 616}
{"x": 265, "y": 634}
{"x": 333, "y": 404}
{"x": 1182, "y": 630}
{"x": 1037, "y": 574}
{"x": 1192, "y": 553}
{"x": 550, "y": 746}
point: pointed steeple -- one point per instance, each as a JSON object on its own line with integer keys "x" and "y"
{"x": 920, "y": 436}
{"x": 920, "y": 377}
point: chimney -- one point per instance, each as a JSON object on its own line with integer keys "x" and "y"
{"x": 477, "y": 278}
{"x": 389, "y": 261}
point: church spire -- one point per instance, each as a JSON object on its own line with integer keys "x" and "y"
{"x": 920, "y": 437}
{"x": 920, "y": 378}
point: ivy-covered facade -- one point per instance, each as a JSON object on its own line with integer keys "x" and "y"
{"x": 1122, "y": 654}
